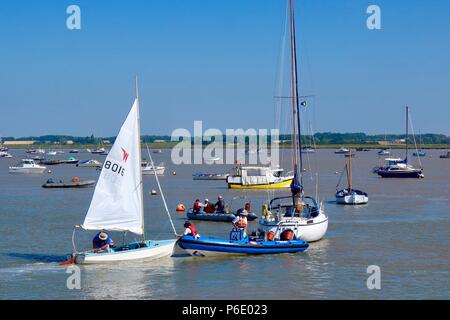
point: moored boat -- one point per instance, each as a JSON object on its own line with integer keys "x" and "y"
{"x": 51, "y": 162}
{"x": 350, "y": 195}
{"x": 258, "y": 177}
{"x": 445, "y": 156}
{"x": 4, "y": 154}
{"x": 297, "y": 212}
{"x": 402, "y": 169}
{"x": 90, "y": 163}
{"x": 27, "y": 166}
{"x": 210, "y": 176}
{"x": 71, "y": 160}
{"x": 74, "y": 183}
{"x": 151, "y": 170}
{"x": 216, "y": 217}
{"x": 341, "y": 150}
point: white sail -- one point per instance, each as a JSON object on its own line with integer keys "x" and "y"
{"x": 117, "y": 201}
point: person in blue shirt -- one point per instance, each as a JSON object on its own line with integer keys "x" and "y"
{"x": 102, "y": 242}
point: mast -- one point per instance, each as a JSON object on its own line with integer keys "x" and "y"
{"x": 406, "y": 138}
{"x": 141, "y": 184}
{"x": 349, "y": 171}
{"x": 296, "y": 129}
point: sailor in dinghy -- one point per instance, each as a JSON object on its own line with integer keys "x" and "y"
{"x": 117, "y": 203}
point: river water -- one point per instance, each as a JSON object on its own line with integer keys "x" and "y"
{"x": 404, "y": 230}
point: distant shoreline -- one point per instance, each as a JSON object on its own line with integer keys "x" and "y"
{"x": 169, "y": 145}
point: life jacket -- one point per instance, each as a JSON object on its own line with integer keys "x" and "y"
{"x": 197, "y": 205}
{"x": 242, "y": 223}
{"x": 193, "y": 230}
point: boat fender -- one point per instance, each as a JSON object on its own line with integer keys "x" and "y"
{"x": 287, "y": 235}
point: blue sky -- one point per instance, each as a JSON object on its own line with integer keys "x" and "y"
{"x": 217, "y": 61}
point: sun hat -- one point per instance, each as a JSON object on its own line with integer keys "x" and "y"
{"x": 103, "y": 236}
{"x": 206, "y": 200}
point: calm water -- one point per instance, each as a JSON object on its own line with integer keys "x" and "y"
{"x": 404, "y": 230}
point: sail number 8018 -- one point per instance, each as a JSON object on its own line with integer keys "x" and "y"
{"x": 114, "y": 167}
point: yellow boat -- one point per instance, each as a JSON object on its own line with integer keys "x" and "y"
{"x": 258, "y": 177}
{"x": 275, "y": 185}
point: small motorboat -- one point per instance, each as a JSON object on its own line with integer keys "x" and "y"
{"x": 51, "y": 162}
{"x": 74, "y": 151}
{"x": 157, "y": 151}
{"x": 212, "y": 160}
{"x": 445, "y": 156}
{"x": 35, "y": 151}
{"x": 74, "y": 183}
{"x": 27, "y": 166}
{"x": 419, "y": 154}
{"x": 90, "y": 163}
{"x": 4, "y": 154}
{"x": 237, "y": 244}
{"x": 384, "y": 152}
{"x": 151, "y": 170}
{"x": 210, "y": 176}
{"x": 308, "y": 150}
{"x": 350, "y": 155}
{"x": 342, "y": 150}
{"x": 98, "y": 151}
{"x": 216, "y": 217}
{"x": 71, "y": 160}
{"x": 51, "y": 153}
{"x": 3, "y": 149}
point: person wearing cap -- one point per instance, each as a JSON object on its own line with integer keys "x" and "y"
{"x": 102, "y": 242}
{"x": 209, "y": 207}
{"x": 220, "y": 205}
{"x": 189, "y": 230}
{"x": 240, "y": 222}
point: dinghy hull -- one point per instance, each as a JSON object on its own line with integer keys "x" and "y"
{"x": 152, "y": 250}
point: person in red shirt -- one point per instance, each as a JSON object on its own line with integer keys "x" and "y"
{"x": 209, "y": 207}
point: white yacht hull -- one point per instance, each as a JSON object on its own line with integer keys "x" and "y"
{"x": 157, "y": 249}
{"x": 26, "y": 170}
{"x": 312, "y": 229}
{"x": 150, "y": 171}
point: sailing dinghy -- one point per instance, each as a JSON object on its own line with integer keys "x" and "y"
{"x": 117, "y": 203}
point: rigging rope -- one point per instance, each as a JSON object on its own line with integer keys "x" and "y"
{"x": 160, "y": 190}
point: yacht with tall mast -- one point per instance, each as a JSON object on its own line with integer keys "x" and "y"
{"x": 297, "y": 212}
{"x": 402, "y": 169}
{"x": 350, "y": 195}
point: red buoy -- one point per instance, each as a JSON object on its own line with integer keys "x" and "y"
{"x": 181, "y": 208}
